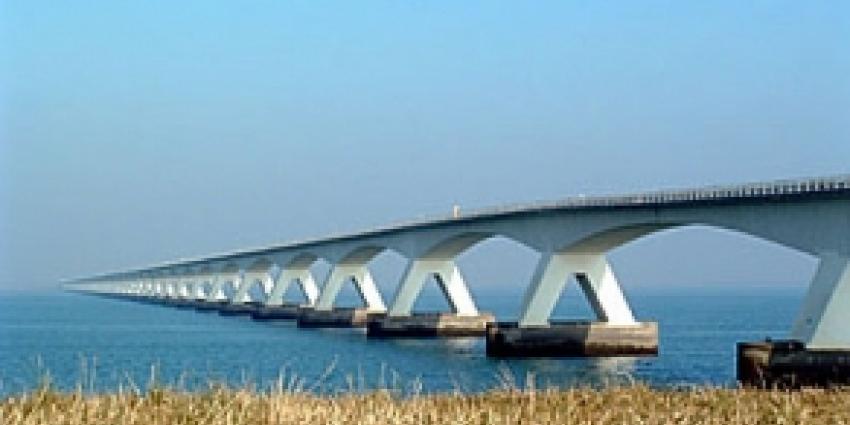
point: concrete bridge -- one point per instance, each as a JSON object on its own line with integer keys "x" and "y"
{"x": 572, "y": 236}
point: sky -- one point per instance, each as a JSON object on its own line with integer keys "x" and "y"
{"x": 137, "y": 132}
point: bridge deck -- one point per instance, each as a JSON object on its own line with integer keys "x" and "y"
{"x": 790, "y": 189}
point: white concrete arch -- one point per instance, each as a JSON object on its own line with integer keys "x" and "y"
{"x": 227, "y": 273}
{"x": 257, "y": 271}
{"x": 294, "y": 268}
{"x": 203, "y": 282}
{"x": 353, "y": 266}
{"x": 439, "y": 261}
{"x": 820, "y": 323}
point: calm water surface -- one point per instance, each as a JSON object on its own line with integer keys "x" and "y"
{"x": 103, "y": 344}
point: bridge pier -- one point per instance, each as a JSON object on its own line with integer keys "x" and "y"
{"x": 340, "y": 317}
{"x": 239, "y": 309}
{"x": 286, "y": 311}
{"x": 299, "y": 272}
{"x": 429, "y": 325}
{"x": 241, "y": 303}
{"x": 215, "y": 299}
{"x": 464, "y": 319}
{"x": 818, "y": 353}
{"x": 275, "y": 308}
{"x": 615, "y": 333}
{"x": 324, "y": 315}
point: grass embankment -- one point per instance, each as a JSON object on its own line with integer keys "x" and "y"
{"x": 624, "y": 405}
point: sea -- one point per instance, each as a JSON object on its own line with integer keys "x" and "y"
{"x": 77, "y": 342}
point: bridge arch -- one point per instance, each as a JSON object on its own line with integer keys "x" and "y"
{"x": 585, "y": 255}
{"x": 353, "y": 265}
{"x": 438, "y": 261}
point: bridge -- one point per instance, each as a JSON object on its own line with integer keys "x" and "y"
{"x": 572, "y": 236}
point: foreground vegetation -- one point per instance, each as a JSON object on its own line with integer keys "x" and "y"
{"x": 617, "y": 405}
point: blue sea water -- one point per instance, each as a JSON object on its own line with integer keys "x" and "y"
{"x": 102, "y": 344}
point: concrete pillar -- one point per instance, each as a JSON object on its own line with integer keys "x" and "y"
{"x": 183, "y": 289}
{"x": 248, "y": 279}
{"x": 217, "y": 292}
{"x": 160, "y": 288}
{"x": 172, "y": 288}
{"x": 595, "y": 278}
{"x": 823, "y": 322}
{"x": 449, "y": 278}
{"x": 197, "y": 290}
{"x": 363, "y": 282}
{"x": 285, "y": 278}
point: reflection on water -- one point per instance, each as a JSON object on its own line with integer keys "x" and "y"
{"x": 445, "y": 345}
{"x": 118, "y": 341}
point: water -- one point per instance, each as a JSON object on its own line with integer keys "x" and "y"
{"x": 102, "y": 344}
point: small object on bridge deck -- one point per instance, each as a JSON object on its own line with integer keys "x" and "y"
{"x": 336, "y": 318}
{"x": 572, "y": 339}
{"x": 788, "y": 364}
{"x": 278, "y": 312}
{"x": 430, "y": 325}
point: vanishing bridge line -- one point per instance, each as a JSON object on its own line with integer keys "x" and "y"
{"x": 572, "y": 236}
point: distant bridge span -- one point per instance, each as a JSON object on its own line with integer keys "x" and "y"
{"x": 572, "y": 235}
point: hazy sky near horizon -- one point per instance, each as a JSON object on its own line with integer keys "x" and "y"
{"x": 137, "y": 132}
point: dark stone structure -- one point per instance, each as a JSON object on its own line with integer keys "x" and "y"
{"x": 788, "y": 364}
{"x": 336, "y": 318}
{"x": 430, "y": 325}
{"x": 572, "y": 339}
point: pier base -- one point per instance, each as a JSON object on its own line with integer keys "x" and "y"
{"x": 179, "y": 302}
{"x": 429, "y": 325}
{"x": 336, "y": 318}
{"x": 572, "y": 339}
{"x": 246, "y": 308}
{"x": 209, "y": 306}
{"x": 278, "y": 312}
{"x": 788, "y": 364}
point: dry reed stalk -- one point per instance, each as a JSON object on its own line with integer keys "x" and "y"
{"x": 636, "y": 404}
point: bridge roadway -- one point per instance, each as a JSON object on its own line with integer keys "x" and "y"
{"x": 572, "y": 236}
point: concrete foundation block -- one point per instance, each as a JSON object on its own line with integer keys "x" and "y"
{"x": 278, "y": 312}
{"x": 429, "y": 325}
{"x": 336, "y": 318}
{"x": 239, "y": 309}
{"x": 180, "y": 302}
{"x": 572, "y": 339}
{"x": 788, "y": 364}
{"x": 209, "y": 306}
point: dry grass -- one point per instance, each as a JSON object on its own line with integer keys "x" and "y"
{"x": 617, "y": 405}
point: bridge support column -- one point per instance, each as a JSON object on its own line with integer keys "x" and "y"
{"x": 195, "y": 294}
{"x": 183, "y": 289}
{"x": 162, "y": 289}
{"x": 325, "y": 315}
{"x": 182, "y": 295}
{"x": 818, "y": 352}
{"x": 241, "y": 303}
{"x": 304, "y": 278}
{"x": 464, "y": 319}
{"x": 198, "y": 290}
{"x": 215, "y": 298}
{"x": 158, "y": 290}
{"x": 275, "y": 309}
{"x": 614, "y": 333}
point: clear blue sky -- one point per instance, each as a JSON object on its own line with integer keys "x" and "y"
{"x": 136, "y": 132}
